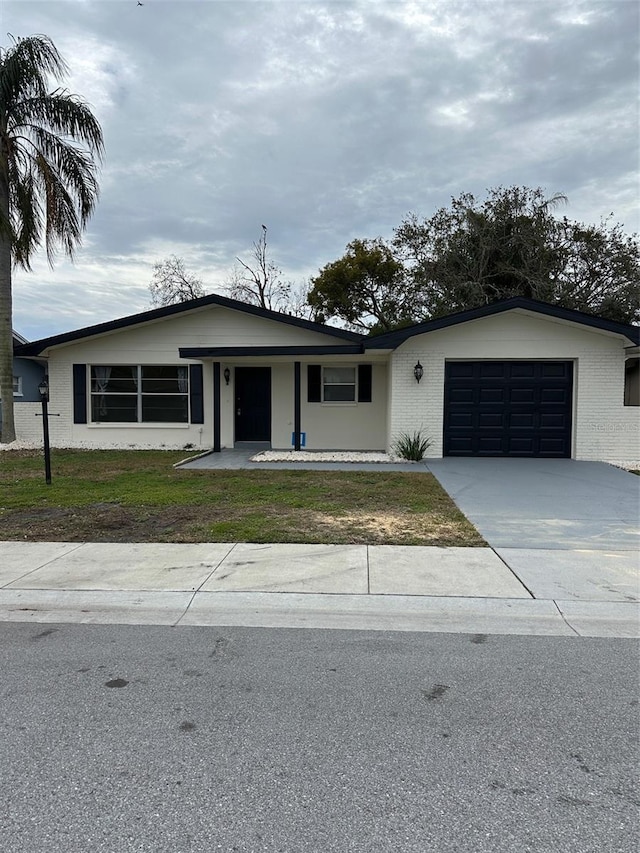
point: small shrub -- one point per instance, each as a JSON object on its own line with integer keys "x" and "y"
{"x": 411, "y": 446}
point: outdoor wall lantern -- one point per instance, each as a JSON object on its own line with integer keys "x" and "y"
{"x": 43, "y": 390}
{"x": 418, "y": 371}
{"x": 227, "y": 375}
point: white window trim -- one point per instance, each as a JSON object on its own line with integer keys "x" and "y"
{"x": 17, "y": 380}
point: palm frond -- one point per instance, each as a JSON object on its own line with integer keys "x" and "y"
{"x": 49, "y": 145}
{"x": 62, "y": 113}
{"x": 25, "y": 65}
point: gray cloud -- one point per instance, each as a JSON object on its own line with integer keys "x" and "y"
{"x": 327, "y": 121}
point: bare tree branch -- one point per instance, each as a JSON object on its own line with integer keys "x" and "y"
{"x": 172, "y": 283}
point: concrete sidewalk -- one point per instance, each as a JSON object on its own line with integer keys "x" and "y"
{"x": 469, "y": 590}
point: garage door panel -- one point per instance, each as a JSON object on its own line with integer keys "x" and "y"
{"x": 491, "y": 395}
{"x": 520, "y": 446}
{"x": 491, "y": 369}
{"x": 461, "y": 369}
{"x": 490, "y": 420}
{"x": 553, "y": 421}
{"x": 552, "y": 447}
{"x": 557, "y": 396}
{"x": 490, "y": 445}
{"x": 522, "y": 420}
{"x": 522, "y": 395}
{"x": 462, "y": 395}
{"x": 511, "y": 408}
{"x": 462, "y": 420}
{"x": 462, "y": 446}
{"x": 522, "y": 369}
{"x": 555, "y": 369}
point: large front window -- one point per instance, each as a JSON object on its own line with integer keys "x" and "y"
{"x": 139, "y": 394}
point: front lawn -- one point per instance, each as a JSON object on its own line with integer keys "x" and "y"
{"x": 136, "y": 496}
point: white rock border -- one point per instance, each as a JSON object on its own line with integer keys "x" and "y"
{"x": 325, "y": 456}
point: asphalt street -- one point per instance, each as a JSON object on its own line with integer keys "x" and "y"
{"x": 151, "y": 738}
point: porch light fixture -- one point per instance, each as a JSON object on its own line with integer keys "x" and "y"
{"x": 227, "y": 375}
{"x": 43, "y": 389}
{"x": 418, "y": 371}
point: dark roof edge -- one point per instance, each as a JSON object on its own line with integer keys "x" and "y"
{"x": 36, "y": 347}
{"x": 394, "y": 339}
{"x": 230, "y": 352}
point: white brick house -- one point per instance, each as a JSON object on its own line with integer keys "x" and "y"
{"x": 518, "y": 378}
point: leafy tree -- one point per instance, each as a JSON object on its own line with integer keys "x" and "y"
{"x": 366, "y": 288}
{"x": 172, "y": 283}
{"x": 601, "y": 273}
{"x": 49, "y": 144}
{"x": 512, "y": 244}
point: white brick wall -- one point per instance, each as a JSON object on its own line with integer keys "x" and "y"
{"x": 603, "y": 428}
{"x": 28, "y": 422}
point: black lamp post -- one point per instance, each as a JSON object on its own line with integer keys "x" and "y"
{"x": 43, "y": 388}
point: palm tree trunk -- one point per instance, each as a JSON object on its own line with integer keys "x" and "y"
{"x": 7, "y": 427}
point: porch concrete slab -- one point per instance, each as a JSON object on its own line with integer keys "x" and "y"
{"x": 118, "y": 566}
{"x": 428, "y": 570}
{"x": 545, "y": 503}
{"x": 576, "y": 575}
{"x": 106, "y": 608}
{"x": 238, "y": 458}
{"x": 480, "y": 616}
{"x": 602, "y": 618}
{"x": 21, "y": 558}
{"x": 292, "y": 568}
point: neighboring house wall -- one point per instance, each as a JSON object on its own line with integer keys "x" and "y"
{"x": 603, "y": 428}
{"x": 26, "y": 402}
{"x": 30, "y": 373}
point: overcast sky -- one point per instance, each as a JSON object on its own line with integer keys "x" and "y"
{"x": 326, "y": 122}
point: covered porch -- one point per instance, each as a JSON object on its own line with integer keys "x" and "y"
{"x": 304, "y": 397}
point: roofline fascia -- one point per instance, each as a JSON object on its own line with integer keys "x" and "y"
{"x": 395, "y": 339}
{"x": 36, "y": 347}
{"x": 239, "y": 352}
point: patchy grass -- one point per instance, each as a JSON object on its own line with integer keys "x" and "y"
{"x": 136, "y": 496}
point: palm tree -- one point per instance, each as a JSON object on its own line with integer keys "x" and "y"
{"x": 49, "y": 145}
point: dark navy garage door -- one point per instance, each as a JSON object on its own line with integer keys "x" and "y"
{"x": 508, "y": 408}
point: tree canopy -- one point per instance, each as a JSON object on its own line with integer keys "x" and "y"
{"x": 513, "y": 243}
{"x": 50, "y": 143}
{"x": 366, "y": 288}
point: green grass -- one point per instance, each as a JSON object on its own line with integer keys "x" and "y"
{"x": 139, "y": 496}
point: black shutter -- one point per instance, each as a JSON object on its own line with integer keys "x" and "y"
{"x": 196, "y": 400}
{"x": 364, "y": 383}
{"x": 79, "y": 393}
{"x": 314, "y": 383}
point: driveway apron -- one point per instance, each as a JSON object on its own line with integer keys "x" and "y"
{"x": 546, "y": 503}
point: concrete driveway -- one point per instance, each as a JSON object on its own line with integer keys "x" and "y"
{"x": 568, "y": 530}
{"x": 545, "y": 503}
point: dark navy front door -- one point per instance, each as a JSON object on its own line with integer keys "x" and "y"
{"x": 253, "y": 403}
